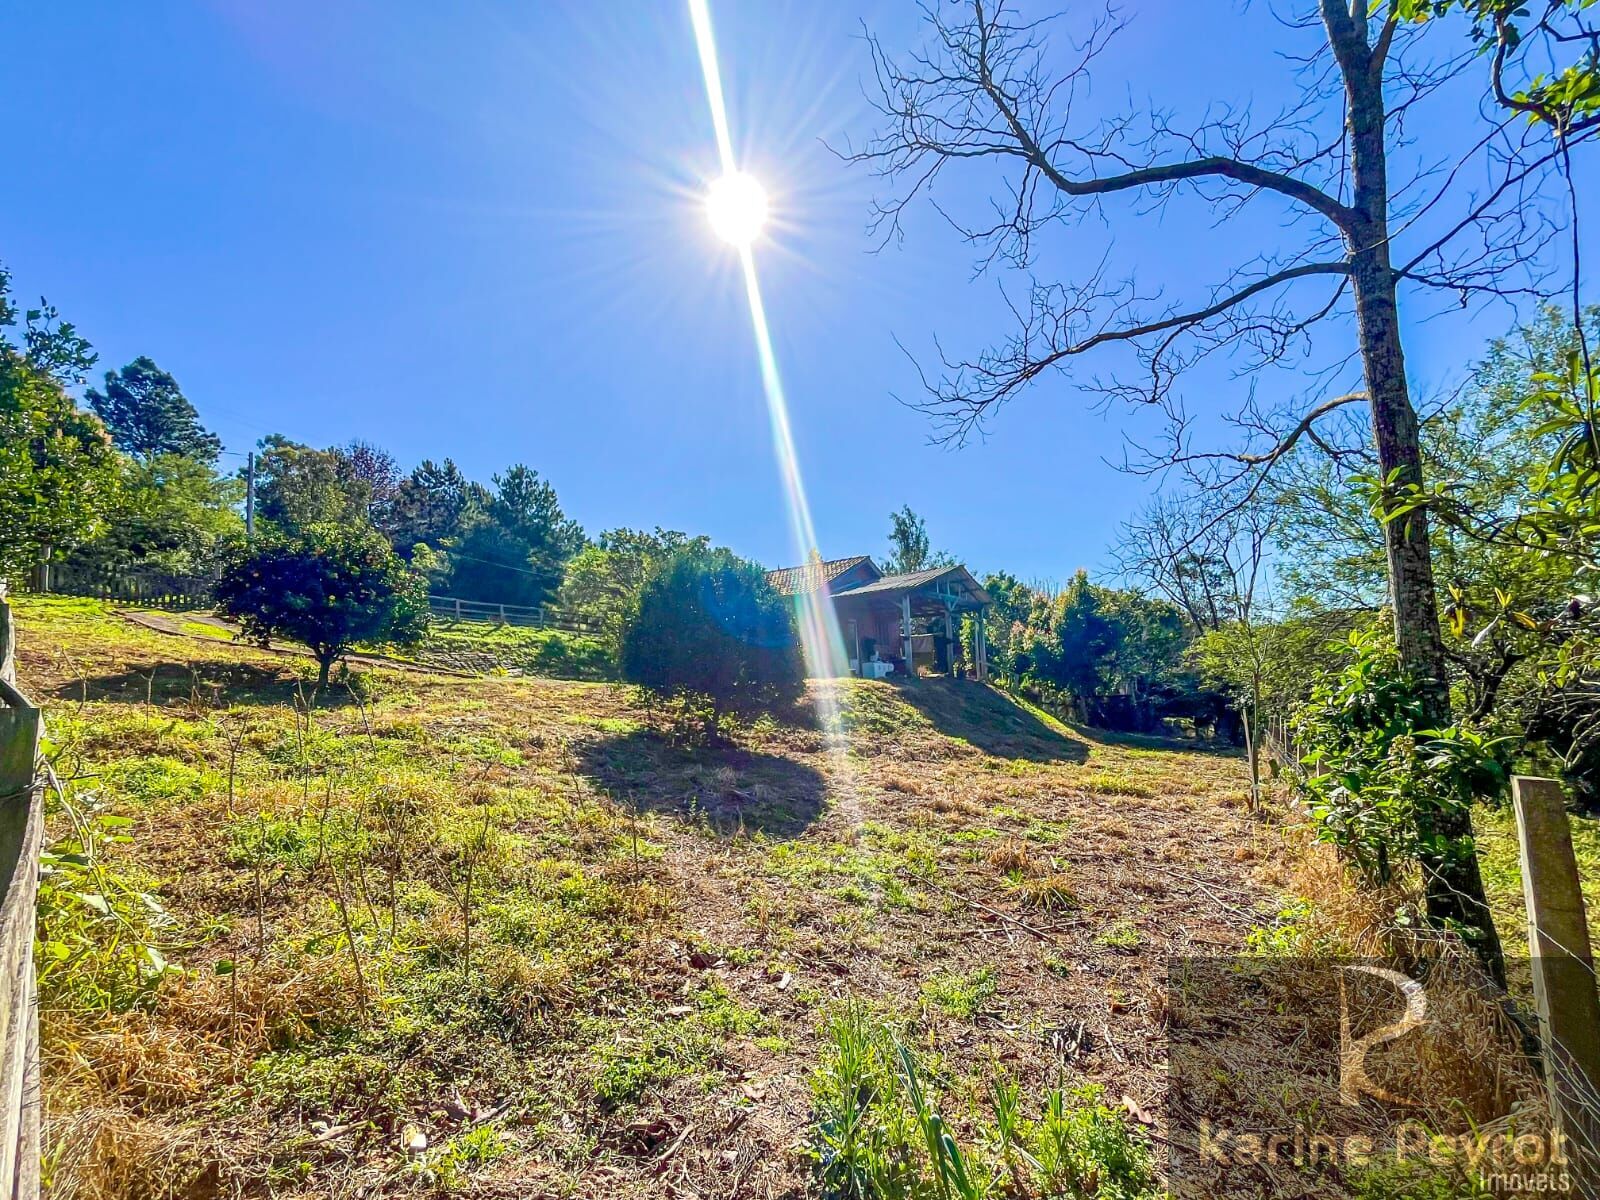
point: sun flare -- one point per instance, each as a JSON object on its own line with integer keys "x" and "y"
{"x": 737, "y": 206}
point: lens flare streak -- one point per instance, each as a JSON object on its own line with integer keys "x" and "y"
{"x": 819, "y": 628}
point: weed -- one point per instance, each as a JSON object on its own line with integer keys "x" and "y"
{"x": 1015, "y": 858}
{"x": 857, "y": 874}
{"x": 1048, "y": 893}
{"x": 879, "y": 1130}
{"x": 156, "y": 780}
{"x": 1122, "y": 935}
{"x": 450, "y": 1166}
{"x": 99, "y": 929}
{"x": 1414, "y": 1181}
{"x": 1295, "y": 934}
{"x": 1110, "y": 783}
{"x": 959, "y": 995}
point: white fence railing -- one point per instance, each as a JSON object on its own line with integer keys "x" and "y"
{"x": 541, "y": 616}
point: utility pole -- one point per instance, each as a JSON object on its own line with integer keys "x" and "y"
{"x": 250, "y": 496}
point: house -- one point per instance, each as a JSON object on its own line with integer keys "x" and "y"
{"x": 894, "y": 622}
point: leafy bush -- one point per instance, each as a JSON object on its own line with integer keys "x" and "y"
{"x": 711, "y": 634}
{"x": 99, "y": 932}
{"x": 327, "y": 587}
{"x": 603, "y": 580}
{"x": 1379, "y": 782}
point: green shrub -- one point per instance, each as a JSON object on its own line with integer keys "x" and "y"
{"x": 711, "y": 634}
{"x": 327, "y": 587}
{"x": 99, "y": 931}
{"x": 1379, "y": 782}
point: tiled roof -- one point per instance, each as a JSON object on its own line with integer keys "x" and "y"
{"x": 792, "y": 581}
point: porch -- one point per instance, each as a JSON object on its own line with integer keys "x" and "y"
{"x": 905, "y": 624}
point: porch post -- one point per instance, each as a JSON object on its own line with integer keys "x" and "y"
{"x": 950, "y": 646}
{"x": 905, "y": 632}
{"x": 981, "y": 646}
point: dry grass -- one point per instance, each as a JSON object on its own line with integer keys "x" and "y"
{"x": 505, "y": 915}
{"x": 1050, "y": 893}
{"x": 1015, "y": 857}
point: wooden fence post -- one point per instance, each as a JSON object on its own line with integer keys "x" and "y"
{"x": 1563, "y": 973}
{"x": 8, "y": 658}
{"x": 21, "y": 837}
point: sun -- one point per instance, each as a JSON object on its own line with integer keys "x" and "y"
{"x": 737, "y": 206}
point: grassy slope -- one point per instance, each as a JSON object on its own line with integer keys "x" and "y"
{"x": 476, "y": 647}
{"x": 654, "y": 935}
{"x": 485, "y": 648}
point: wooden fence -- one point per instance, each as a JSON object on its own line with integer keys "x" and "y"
{"x": 21, "y": 834}
{"x": 156, "y": 589}
{"x": 148, "y": 589}
{"x": 1280, "y": 749}
{"x": 533, "y": 616}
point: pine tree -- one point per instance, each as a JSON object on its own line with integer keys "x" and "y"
{"x": 147, "y": 414}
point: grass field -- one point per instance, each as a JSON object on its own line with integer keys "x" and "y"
{"x": 432, "y": 935}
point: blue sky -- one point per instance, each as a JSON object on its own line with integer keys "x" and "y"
{"x": 472, "y": 230}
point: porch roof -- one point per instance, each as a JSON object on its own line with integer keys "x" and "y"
{"x": 892, "y": 587}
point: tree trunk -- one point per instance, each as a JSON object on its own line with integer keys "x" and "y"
{"x": 324, "y": 665}
{"x": 1454, "y": 886}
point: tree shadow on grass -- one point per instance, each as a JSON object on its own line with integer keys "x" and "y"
{"x": 990, "y": 720}
{"x": 214, "y": 685}
{"x": 730, "y": 787}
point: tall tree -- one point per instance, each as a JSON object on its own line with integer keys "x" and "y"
{"x": 58, "y": 478}
{"x": 298, "y": 486}
{"x": 517, "y": 554}
{"x": 1006, "y": 618}
{"x": 908, "y": 545}
{"x": 982, "y": 95}
{"x": 172, "y": 514}
{"x": 148, "y": 414}
{"x": 365, "y": 469}
{"x": 436, "y": 505}
{"x": 603, "y": 580}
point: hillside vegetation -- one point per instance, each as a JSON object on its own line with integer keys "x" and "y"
{"x": 498, "y": 937}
